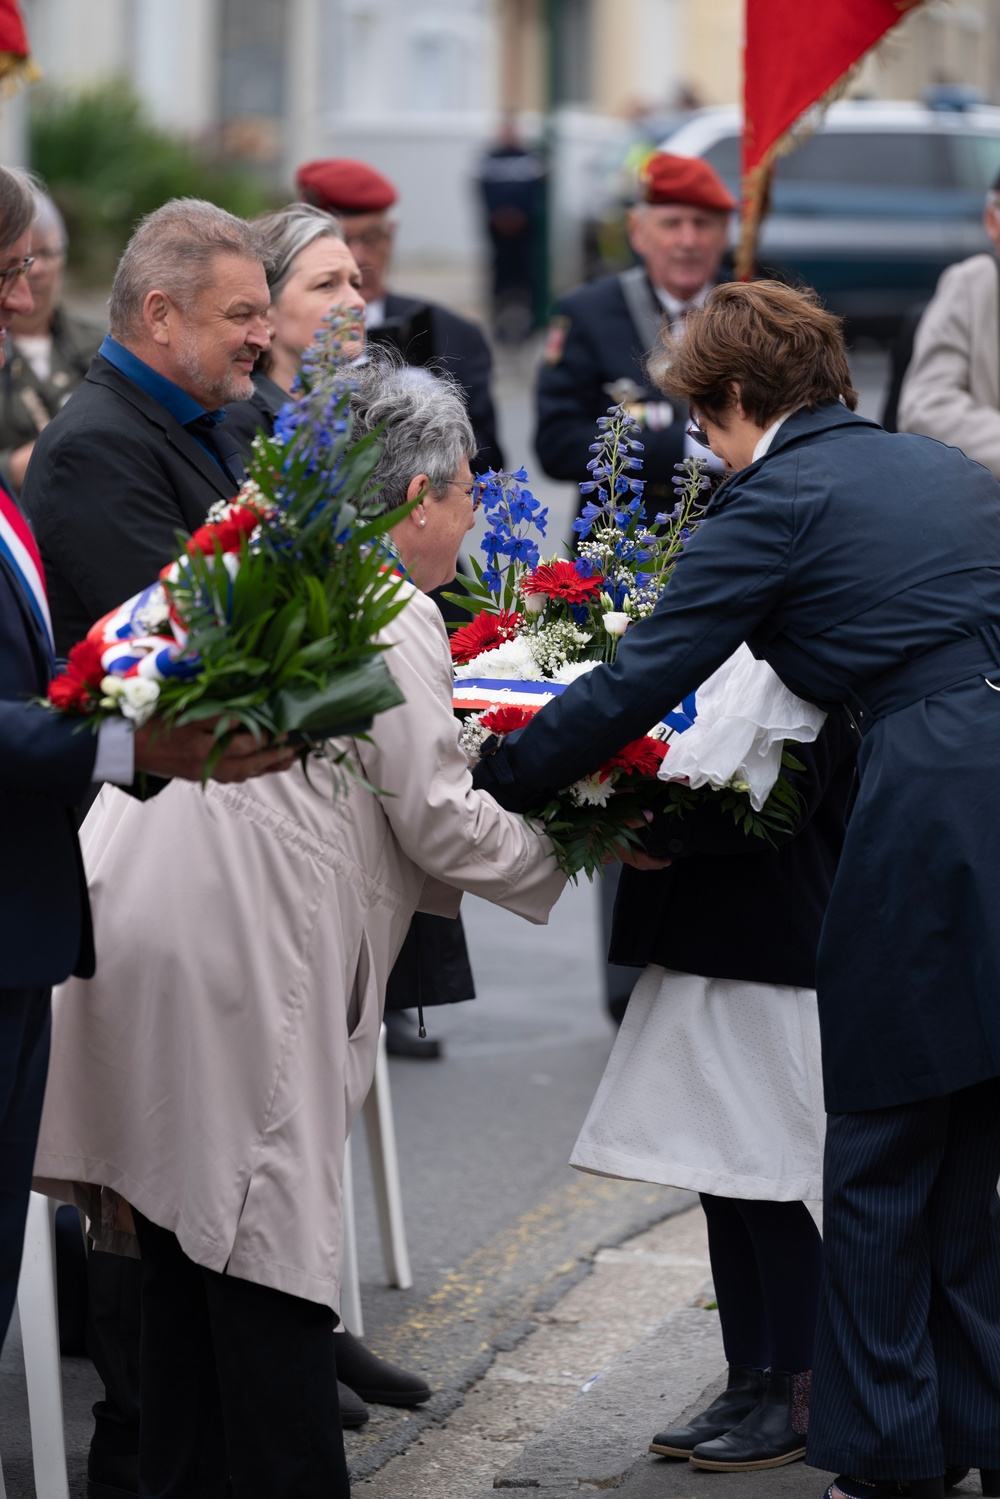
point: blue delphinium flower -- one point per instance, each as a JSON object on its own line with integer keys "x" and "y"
{"x": 512, "y": 515}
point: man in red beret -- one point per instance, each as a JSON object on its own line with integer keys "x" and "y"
{"x": 425, "y": 332}
{"x": 598, "y": 341}
{"x": 601, "y": 334}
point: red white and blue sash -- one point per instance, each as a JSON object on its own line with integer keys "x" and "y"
{"x": 18, "y": 546}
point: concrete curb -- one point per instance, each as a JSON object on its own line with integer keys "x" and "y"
{"x": 599, "y": 1438}
{"x": 391, "y": 1431}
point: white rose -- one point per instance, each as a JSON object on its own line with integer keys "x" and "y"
{"x": 111, "y": 686}
{"x": 137, "y": 698}
{"x": 534, "y": 603}
{"x": 616, "y": 623}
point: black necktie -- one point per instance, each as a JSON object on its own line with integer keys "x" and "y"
{"x": 212, "y": 435}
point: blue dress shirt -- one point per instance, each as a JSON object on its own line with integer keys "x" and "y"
{"x": 182, "y": 407}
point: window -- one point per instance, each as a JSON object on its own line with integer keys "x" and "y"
{"x": 882, "y": 158}
{"x": 977, "y": 161}
{"x": 908, "y": 159}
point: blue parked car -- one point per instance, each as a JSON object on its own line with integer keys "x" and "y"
{"x": 873, "y": 207}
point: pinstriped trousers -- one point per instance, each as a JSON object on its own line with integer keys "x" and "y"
{"x": 907, "y": 1366}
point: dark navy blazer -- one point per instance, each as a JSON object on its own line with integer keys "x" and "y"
{"x": 602, "y": 345}
{"x": 45, "y": 768}
{"x": 843, "y": 553}
{"x": 459, "y": 347}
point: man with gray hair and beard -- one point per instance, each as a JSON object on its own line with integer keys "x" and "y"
{"x": 137, "y": 454}
{"x": 140, "y": 452}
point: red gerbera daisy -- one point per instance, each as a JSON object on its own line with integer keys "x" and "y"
{"x": 643, "y": 757}
{"x": 82, "y": 678}
{"x": 226, "y": 532}
{"x": 560, "y": 580}
{"x": 484, "y": 633}
{"x": 506, "y": 718}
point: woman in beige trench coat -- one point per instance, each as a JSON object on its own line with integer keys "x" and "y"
{"x": 210, "y": 1073}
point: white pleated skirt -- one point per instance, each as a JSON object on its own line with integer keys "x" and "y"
{"x": 714, "y": 1085}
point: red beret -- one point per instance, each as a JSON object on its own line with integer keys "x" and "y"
{"x": 340, "y": 185}
{"x": 684, "y": 179}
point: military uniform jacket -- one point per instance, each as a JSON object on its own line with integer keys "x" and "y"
{"x": 594, "y": 344}
{"x": 27, "y": 403}
{"x": 845, "y": 554}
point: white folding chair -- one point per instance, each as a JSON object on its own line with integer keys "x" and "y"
{"x": 38, "y": 1311}
{"x": 381, "y": 1132}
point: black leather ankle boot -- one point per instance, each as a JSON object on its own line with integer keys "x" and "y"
{"x": 989, "y": 1478}
{"x": 766, "y": 1438}
{"x": 743, "y": 1392}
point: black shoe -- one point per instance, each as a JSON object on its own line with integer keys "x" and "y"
{"x": 401, "y": 1039}
{"x": 742, "y": 1394}
{"x": 989, "y": 1479}
{"x": 112, "y": 1475}
{"x": 764, "y": 1439}
{"x": 371, "y": 1377}
{"x": 953, "y": 1476}
{"x": 353, "y": 1411}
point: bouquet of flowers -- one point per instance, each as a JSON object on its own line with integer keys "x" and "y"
{"x": 538, "y": 625}
{"x": 268, "y": 618}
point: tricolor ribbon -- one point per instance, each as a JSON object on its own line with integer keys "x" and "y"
{"x": 474, "y": 694}
{"x": 18, "y": 546}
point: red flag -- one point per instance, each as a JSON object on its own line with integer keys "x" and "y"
{"x": 16, "y": 66}
{"x": 796, "y": 55}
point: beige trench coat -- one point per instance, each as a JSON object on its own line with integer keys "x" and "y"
{"x": 952, "y": 387}
{"x": 212, "y": 1069}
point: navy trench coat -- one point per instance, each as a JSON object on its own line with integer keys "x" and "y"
{"x": 851, "y": 560}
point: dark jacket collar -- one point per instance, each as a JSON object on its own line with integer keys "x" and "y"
{"x": 805, "y": 424}
{"x": 267, "y": 395}
{"x": 102, "y": 372}
{"x": 800, "y": 427}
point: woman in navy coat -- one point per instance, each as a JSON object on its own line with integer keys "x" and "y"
{"x": 865, "y": 568}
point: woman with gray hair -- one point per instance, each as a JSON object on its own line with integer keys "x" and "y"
{"x": 311, "y": 272}
{"x": 247, "y": 1025}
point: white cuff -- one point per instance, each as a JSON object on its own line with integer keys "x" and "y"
{"x": 115, "y": 759}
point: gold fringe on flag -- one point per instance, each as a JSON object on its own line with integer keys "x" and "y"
{"x": 16, "y": 72}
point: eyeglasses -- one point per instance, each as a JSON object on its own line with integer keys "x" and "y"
{"x": 45, "y": 253}
{"x": 474, "y": 491}
{"x": 698, "y": 435}
{"x": 13, "y": 273}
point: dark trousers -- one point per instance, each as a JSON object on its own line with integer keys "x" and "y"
{"x": 907, "y": 1370}
{"x": 24, "y": 1062}
{"x": 767, "y": 1266}
{"x": 114, "y": 1300}
{"x": 237, "y": 1382}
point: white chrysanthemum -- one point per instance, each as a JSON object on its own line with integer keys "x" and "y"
{"x": 513, "y": 658}
{"x": 591, "y": 792}
{"x": 570, "y": 670}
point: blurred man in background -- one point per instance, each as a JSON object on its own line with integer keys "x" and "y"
{"x": 599, "y": 339}
{"x": 601, "y": 335}
{"x": 50, "y": 350}
{"x": 951, "y": 389}
{"x": 426, "y": 333}
{"x": 512, "y": 183}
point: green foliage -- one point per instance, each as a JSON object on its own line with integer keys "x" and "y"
{"x": 106, "y": 164}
